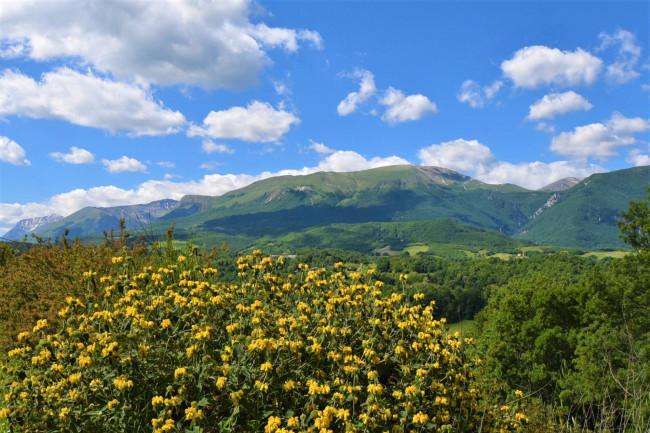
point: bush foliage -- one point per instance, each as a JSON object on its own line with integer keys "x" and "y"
{"x": 173, "y": 348}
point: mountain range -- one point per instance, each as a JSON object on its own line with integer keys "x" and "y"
{"x": 359, "y": 210}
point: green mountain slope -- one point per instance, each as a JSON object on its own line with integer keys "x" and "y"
{"x": 585, "y": 215}
{"x": 281, "y": 205}
{"x": 429, "y": 236}
{"x": 320, "y": 209}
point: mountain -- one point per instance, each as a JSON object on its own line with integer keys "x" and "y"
{"x": 285, "y": 204}
{"x": 561, "y": 184}
{"x": 94, "y": 220}
{"x": 585, "y": 215}
{"x": 27, "y": 226}
{"x": 286, "y": 212}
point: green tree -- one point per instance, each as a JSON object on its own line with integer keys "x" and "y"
{"x": 635, "y": 225}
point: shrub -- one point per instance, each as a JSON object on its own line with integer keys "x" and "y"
{"x": 173, "y": 349}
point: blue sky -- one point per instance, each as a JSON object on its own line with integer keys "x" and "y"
{"x": 116, "y": 103}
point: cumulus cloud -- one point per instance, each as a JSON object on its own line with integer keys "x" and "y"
{"x": 11, "y": 152}
{"x": 354, "y": 99}
{"x": 123, "y": 164}
{"x": 477, "y": 160}
{"x": 538, "y": 65}
{"x": 210, "y": 44}
{"x": 626, "y": 125}
{"x": 210, "y": 146}
{"x": 166, "y": 164}
{"x": 557, "y": 103}
{"x": 476, "y": 96}
{"x": 76, "y": 156}
{"x": 401, "y": 108}
{"x": 623, "y": 69}
{"x": 347, "y": 160}
{"x": 461, "y": 155}
{"x": 599, "y": 140}
{"x": 638, "y": 158}
{"x": 590, "y": 141}
{"x": 212, "y": 184}
{"x": 259, "y": 122}
{"x": 86, "y": 100}
{"x": 320, "y": 148}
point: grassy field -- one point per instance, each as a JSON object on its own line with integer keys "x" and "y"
{"x": 604, "y": 254}
{"x": 413, "y": 249}
{"x": 464, "y": 326}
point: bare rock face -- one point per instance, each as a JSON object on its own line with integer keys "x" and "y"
{"x": 29, "y": 225}
{"x": 562, "y": 184}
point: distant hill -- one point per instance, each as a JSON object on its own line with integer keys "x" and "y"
{"x": 285, "y": 204}
{"x": 561, "y": 184}
{"x": 585, "y": 215}
{"x": 29, "y": 225}
{"x": 94, "y": 220}
{"x": 326, "y": 208}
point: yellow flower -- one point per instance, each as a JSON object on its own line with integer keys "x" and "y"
{"x": 420, "y": 418}
{"x": 157, "y": 400}
{"x": 113, "y": 403}
{"x": 519, "y": 393}
{"x": 267, "y": 366}
{"x": 221, "y": 382}
{"x": 273, "y": 423}
{"x": 166, "y": 323}
{"x": 181, "y": 259}
{"x": 40, "y": 325}
{"x": 181, "y": 371}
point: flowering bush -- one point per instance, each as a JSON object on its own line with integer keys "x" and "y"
{"x": 172, "y": 349}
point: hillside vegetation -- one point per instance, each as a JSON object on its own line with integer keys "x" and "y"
{"x": 287, "y": 212}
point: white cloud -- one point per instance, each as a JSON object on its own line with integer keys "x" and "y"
{"x": 347, "y": 160}
{"x": 623, "y": 69}
{"x": 557, "y": 103}
{"x": 403, "y": 108}
{"x": 123, "y": 164}
{"x": 87, "y": 100}
{"x": 461, "y": 155}
{"x": 212, "y": 184}
{"x": 600, "y": 140}
{"x": 354, "y": 99}
{"x": 258, "y": 122}
{"x": 320, "y": 148}
{"x": 211, "y": 44}
{"x": 210, "y": 165}
{"x": 210, "y": 146}
{"x": 288, "y": 39}
{"x": 166, "y": 164}
{"x": 477, "y": 160}
{"x": 76, "y": 156}
{"x": 638, "y": 158}
{"x": 590, "y": 141}
{"x": 169, "y": 176}
{"x": 11, "y": 152}
{"x": 473, "y": 94}
{"x": 626, "y": 125}
{"x": 537, "y": 65}
{"x": 545, "y": 127}
{"x": 535, "y": 175}
{"x": 645, "y": 87}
